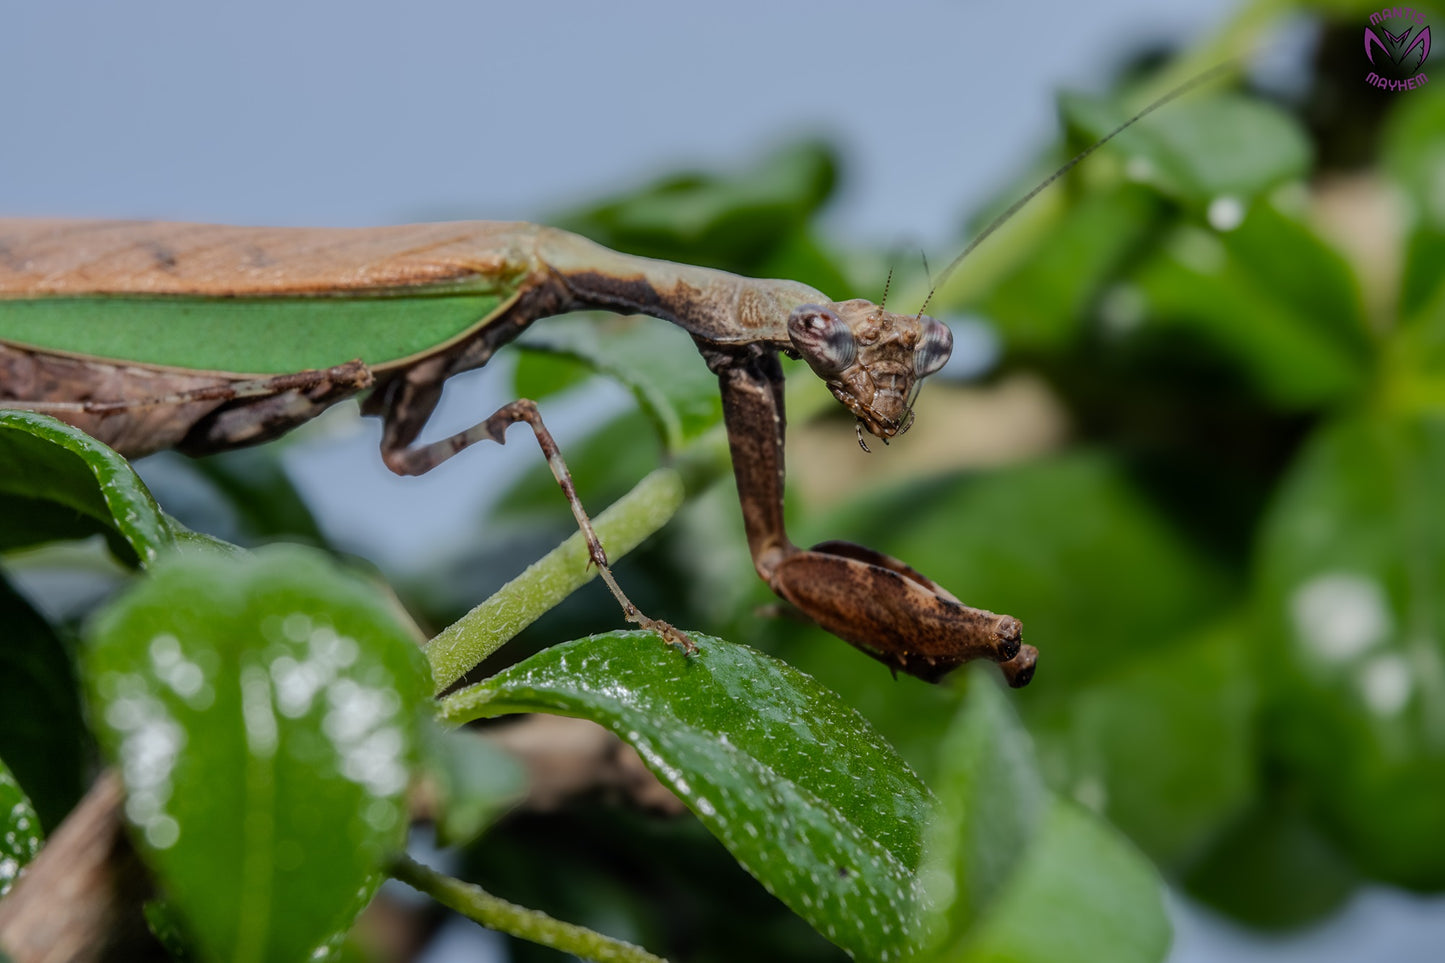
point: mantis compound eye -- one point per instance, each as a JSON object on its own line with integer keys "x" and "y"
{"x": 822, "y": 338}
{"x": 933, "y": 350}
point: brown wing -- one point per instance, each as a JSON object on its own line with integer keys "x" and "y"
{"x": 64, "y": 257}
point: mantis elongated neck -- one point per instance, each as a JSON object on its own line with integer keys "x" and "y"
{"x": 714, "y": 305}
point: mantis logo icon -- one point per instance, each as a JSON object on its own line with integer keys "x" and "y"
{"x": 1397, "y": 49}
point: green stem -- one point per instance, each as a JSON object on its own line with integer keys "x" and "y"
{"x": 553, "y": 577}
{"x": 495, "y": 913}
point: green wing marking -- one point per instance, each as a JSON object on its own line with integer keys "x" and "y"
{"x": 246, "y": 335}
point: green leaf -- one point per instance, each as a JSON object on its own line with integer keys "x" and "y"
{"x": 742, "y": 739}
{"x": 1041, "y": 305}
{"x": 654, "y": 360}
{"x": 261, "y": 710}
{"x": 1203, "y": 147}
{"x": 168, "y": 930}
{"x": 1271, "y": 298}
{"x": 258, "y": 491}
{"x": 1412, "y": 151}
{"x": 541, "y": 373}
{"x": 1164, "y": 748}
{"x": 20, "y": 836}
{"x": 1017, "y": 874}
{"x": 79, "y": 486}
{"x": 1273, "y": 868}
{"x": 475, "y": 782}
{"x": 734, "y": 222}
{"x": 1352, "y": 593}
{"x": 992, "y": 798}
{"x": 42, "y": 736}
{"x": 1082, "y": 894}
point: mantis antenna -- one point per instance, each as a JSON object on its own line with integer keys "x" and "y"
{"x": 1196, "y": 81}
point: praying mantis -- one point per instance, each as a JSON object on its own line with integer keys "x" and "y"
{"x": 202, "y": 338}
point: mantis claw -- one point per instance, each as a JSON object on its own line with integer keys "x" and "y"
{"x": 670, "y": 634}
{"x": 898, "y": 616}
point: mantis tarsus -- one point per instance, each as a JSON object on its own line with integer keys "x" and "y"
{"x": 202, "y": 338}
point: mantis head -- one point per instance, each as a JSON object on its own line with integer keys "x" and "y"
{"x": 871, "y": 359}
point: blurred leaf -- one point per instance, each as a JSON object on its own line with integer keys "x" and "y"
{"x": 1017, "y": 874}
{"x": 261, "y": 711}
{"x": 539, "y": 374}
{"x": 1273, "y": 868}
{"x": 1166, "y": 747}
{"x": 1285, "y": 254}
{"x": 731, "y": 222}
{"x": 475, "y": 782}
{"x": 654, "y": 360}
{"x": 1412, "y": 151}
{"x": 20, "y": 835}
{"x": 1272, "y": 298}
{"x": 992, "y": 799}
{"x": 739, "y": 737}
{"x": 88, "y": 487}
{"x": 800, "y": 256}
{"x": 1101, "y": 900}
{"x": 1352, "y": 591}
{"x": 258, "y": 489}
{"x": 168, "y": 929}
{"x": 1202, "y": 147}
{"x": 1042, "y": 304}
{"x": 42, "y": 736}
{"x": 666, "y": 884}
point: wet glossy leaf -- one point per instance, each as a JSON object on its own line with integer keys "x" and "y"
{"x": 58, "y": 482}
{"x": 475, "y": 782}
{"x": 261, "y": 710}
{"x": 1018, "y": 874}
{"x": 740, "y": 738}
{"x": 42, "y": 737}
{"x": 1353, "y": 595}
{"x": 20, "y": 835}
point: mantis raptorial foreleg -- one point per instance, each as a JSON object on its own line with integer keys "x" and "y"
{"x": 884, "y": 607}
{"x": 419, "y": 459}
